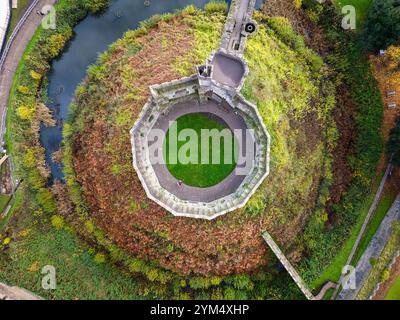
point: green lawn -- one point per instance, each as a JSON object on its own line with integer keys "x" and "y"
{"x": 197, "y": 174}
{"x": 394, "y": 291}
{"x": 360, "y": 5}
{"x": 3, "y": 204}
{"x": 328, "y": 294}
{"x": 36, "y": 244}
{"x": 15, "y": 204}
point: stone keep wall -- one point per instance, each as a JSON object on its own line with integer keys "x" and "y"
{"x": 166, "y": 96}
{"x": 231, "y": 31}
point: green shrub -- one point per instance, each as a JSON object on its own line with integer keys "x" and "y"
{"x": 385, "y": 275}
{"x": 199, "y": 283}
{"x": 57, "y": 222}
{"x": 99, "y": 258}
{"x": 216, "y": 6}
{"x": 95, "y": 6}
{"x": 297, "y": 3}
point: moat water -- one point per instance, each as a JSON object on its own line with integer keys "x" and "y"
{"x": 93, "y": 36}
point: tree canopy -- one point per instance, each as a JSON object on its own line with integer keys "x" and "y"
{"x": 382, "y": 27}
{"x": 393, "y": 146}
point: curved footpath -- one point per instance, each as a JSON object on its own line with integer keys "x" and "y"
{"x": 374, "y": 250}
{"x": 371, "y": 211}
{"x": 21, "y": 38}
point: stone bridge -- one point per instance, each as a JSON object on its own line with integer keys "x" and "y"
{"x": 288, "y": 266}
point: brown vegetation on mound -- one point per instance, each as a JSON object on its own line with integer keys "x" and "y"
{"x": 103, "y": 164}
{"x": 312, "y": 33}
{"x": 118, "y": 201}
{"x": 344, "y": 111}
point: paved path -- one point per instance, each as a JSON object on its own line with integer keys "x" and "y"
{"x": 16, "y": 293}
{"x": 240, "y": 11}
{"x": 293, "y": 273}
{"x": 3, "y": 159}
{"x": 374, "y": 250}
{"x": 240, "y": 15}
{"x": 325, "y": 288}
{"x": 365, "y": 224}
{"x": 222, "y": 189}
{"x": 17, "y": 48}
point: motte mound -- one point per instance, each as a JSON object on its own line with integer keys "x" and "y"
{"x": 287, "y": 85}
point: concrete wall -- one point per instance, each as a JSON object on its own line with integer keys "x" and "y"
{"x": 4, "y": 20}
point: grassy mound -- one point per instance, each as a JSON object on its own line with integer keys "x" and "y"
{"x": 198, "y": 174}
{"x": 288, "y": 83}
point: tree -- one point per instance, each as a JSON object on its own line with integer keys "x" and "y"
{"x": 391, "y": 62}
{"x": 382, "y": 27}
{"x": 25, "y": 113}
{"x": 99, "y": 258}
{"x": 393, "y": 146}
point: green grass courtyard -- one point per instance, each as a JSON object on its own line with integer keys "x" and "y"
{"x": 195, "y": 173}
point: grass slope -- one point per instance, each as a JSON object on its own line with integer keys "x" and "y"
{"x": 35, "y": 245}
{"x": 394, "y": 291}
{"x": 361, "y": 6}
